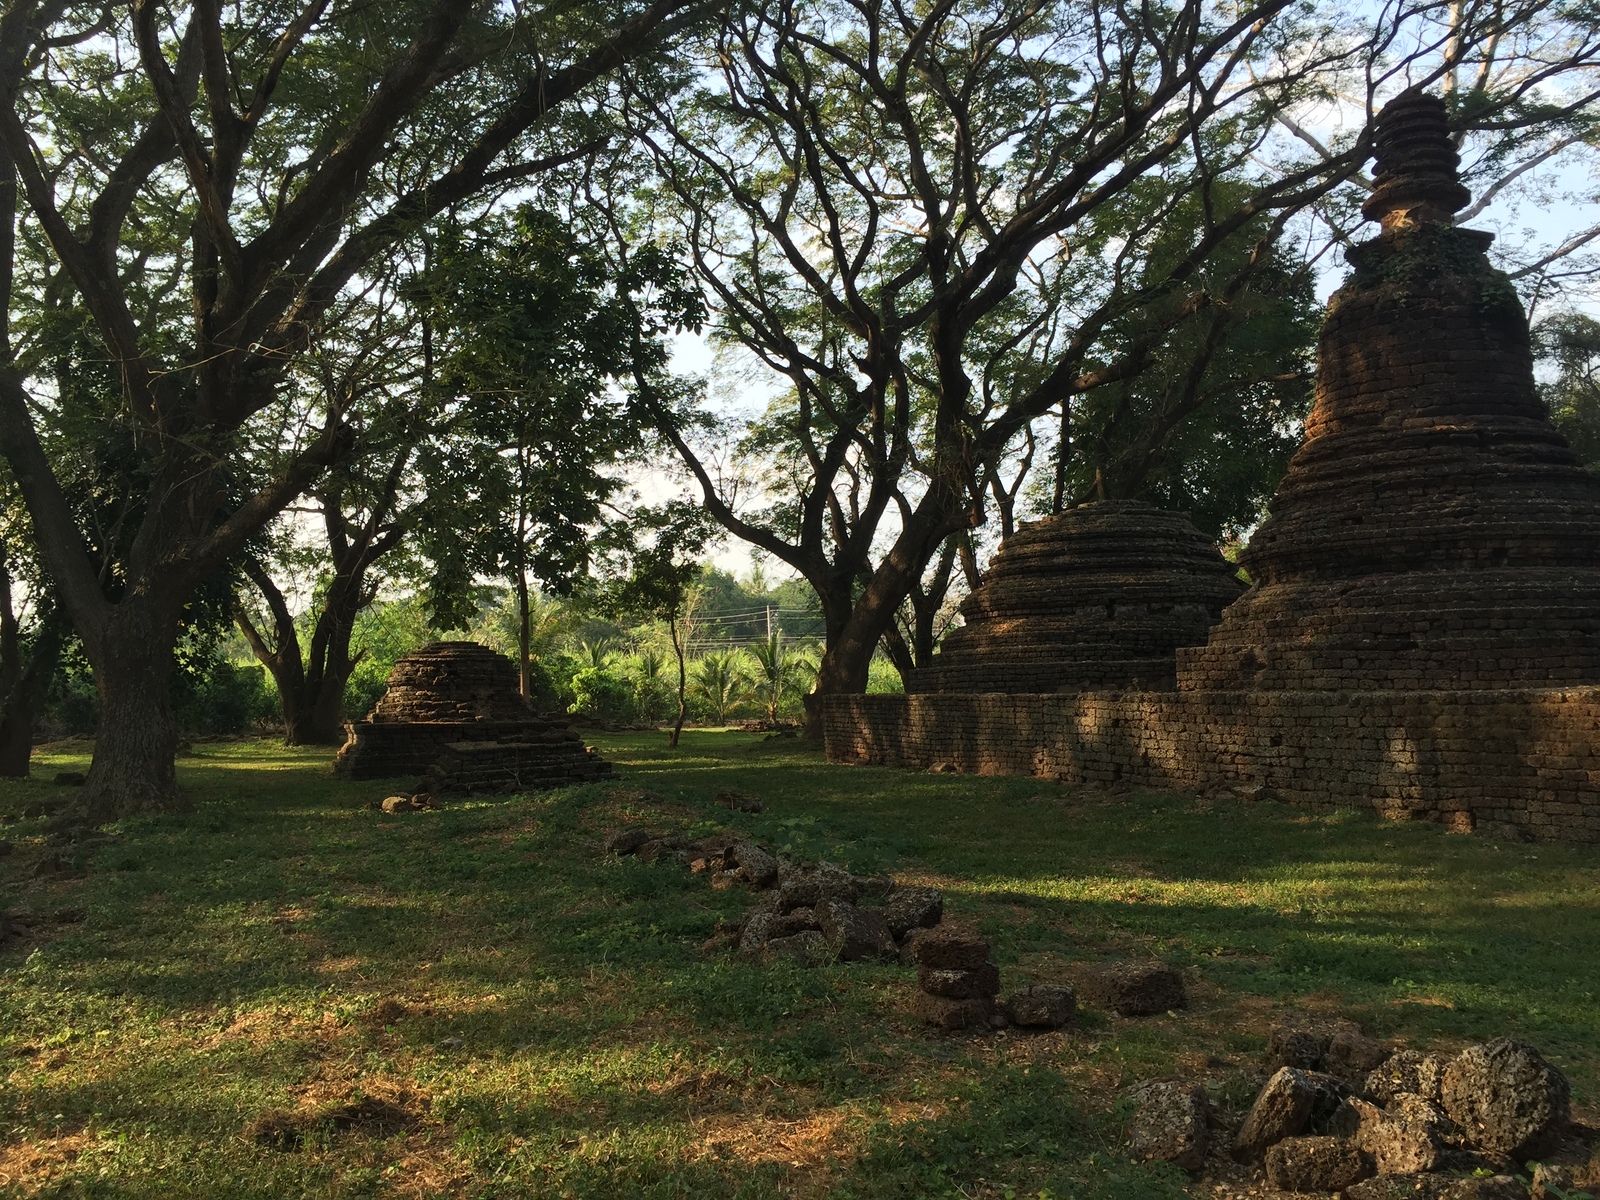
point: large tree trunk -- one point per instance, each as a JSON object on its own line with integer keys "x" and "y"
{"x": 847, "y": 660}
{"x": 323, "y": 723}
{"x": 328, "y": 673}
{"x": 137, "y": 736}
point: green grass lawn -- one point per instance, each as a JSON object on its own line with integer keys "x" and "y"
{"x": 477, "y": 1004}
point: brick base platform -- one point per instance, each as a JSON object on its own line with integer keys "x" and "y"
{"x": 1517, "y": 763}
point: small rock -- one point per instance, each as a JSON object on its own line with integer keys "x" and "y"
{"x": 911, "y": 908}
{"x": 1407, "y": 1139}
{"x": 760, "y": 869}
{"x": 1495, "y": 1187}
{"x": 739, "y": 802}
{"x": 1331, "y": 1044}
{"x": 397, "y": 804}
{"x": 809, "y": 948}
{"x": 451, "y": 1043}
{"x": 1043, "y": 1006}
{"x": 908, "y": 947}
{"x": 756, "y": 932}
{"x": 854, "y": 933}
{"x": 950, "y": 948}
{"x": 721, "y": 881}
{"x": 1406, "y": 1071}
{"x": 1137, "y": 989}
{"x": 699, "y": 866}
{"x": 628, "y": 840}
{"x": 424, "y": 802}
{"x": 1429, "y": 1186}
{"x": 1352, "y": 1054}
{"x": 1316, "y": 1164}
{"x": 1291, "y": 1104}
{"x": 1170, "y": 1123}
{"x": 1295, "y": 1040}
{"x": 654, "y": 848}
{"x": 951, "y": 1014}
{"x": 872, "y": 887}
{"x": 798, "y": 921}
{"x": 71, "y": 779}
{"x": 960, "y": 985}
{"x": 806, "y": 887}
{"x": 795, "y": 921}
{"x": 1507, "y": 1099}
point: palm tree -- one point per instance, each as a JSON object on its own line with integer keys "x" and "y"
{"x": 778, "y": 674}
{"x": 649, "y": 682}
{"x": 597, "y": 654}
{"x": 720, "y": 685}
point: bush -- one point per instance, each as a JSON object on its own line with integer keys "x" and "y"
{"x": 601, "y": 694}
{"x": 228, "y": 698}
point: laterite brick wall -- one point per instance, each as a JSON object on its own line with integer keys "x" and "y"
{"x": 1520, "y": 763}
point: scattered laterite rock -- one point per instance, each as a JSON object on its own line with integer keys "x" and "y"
{"x": 1406, "y": 1071}
{"x": 1136, "y": 989}
{"x": 951, "y": 1014}
{"x": 1316, "y": 1164}
{"x": 913, "y": 908}
{"x": 951, "y": 948}
{"x": 1507, "y": 1099}
{"x": 977, "y": 983}
{"x": 1171, "y": 1122}
{"x": 1042, "y": 1006}
{"x": 1292, "y": 1103}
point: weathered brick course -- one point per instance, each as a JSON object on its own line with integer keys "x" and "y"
{"x": 1099, "y": 596}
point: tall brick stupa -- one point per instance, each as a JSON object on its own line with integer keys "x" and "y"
{"x": 1434, "y": 531}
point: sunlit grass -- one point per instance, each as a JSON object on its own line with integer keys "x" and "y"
{"x": 558, "y": 1034}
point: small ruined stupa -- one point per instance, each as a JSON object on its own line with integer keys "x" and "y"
{"x": 452, "y": 714}
{"x": 1434, "y": 531}
{"x": 1099, "y": 596}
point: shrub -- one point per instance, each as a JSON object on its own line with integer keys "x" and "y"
{"x": 602, "y": 694}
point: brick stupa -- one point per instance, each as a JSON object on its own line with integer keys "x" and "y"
{"x": 1100, "y": 596}
{"x": 1423, "y": 633}
{"x": 1434, "y": 531}
{"x": 452, "y": 714}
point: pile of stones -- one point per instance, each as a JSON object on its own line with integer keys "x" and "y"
{"x": 818, "y": 913}
{"x": 958, "y": 986}
{"x": 1342, "y": 1114}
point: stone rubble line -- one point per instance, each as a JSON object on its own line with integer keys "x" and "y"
{"x": 812, "y": 914}
{"x": 1341, "y": 1114}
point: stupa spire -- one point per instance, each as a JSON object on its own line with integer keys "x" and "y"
{"x": 1417, "y": 178}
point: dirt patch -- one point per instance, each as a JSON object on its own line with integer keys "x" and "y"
{"x": 375, "y": 1109}
{"x": 31, "y": 1166}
